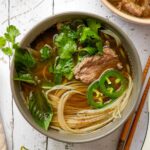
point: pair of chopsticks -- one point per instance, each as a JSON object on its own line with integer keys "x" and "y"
{"x": 131, "y": 124}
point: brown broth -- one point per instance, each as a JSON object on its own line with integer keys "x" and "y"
{"x": 44, "y": 38}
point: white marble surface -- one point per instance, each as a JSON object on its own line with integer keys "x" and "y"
{"x": 25, "y": 14}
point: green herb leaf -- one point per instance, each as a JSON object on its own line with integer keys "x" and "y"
{"x": 99, "y": 46}
{"x": 45, "y": 52}
{"x": 2, "y": 42}
{"x": 67, "y": 50}
{"x": 40, "y": 109}
{"x": 24, "y": 60}
{"x": 28, "y": 60}
{"x": 7, "y": 50}
{"x": 89, "y": 50}
{"x": 93, "y": 24}
{"x": 47, "y": 85}
{"x": 65, "y": 42}
{"x": 28, "y": 78}
{"x": 15, "y": 45}
{"x": 65, "y": 28}
{"x": 80, "y": 57}
{"x": 58, "y": 78}
{"x": 88, "y": 36}
{"x": 70, "y": 33}
{"x": 65, "y": 68}
{"x": 91, "y": 40}
{"x": 12, "y": 33}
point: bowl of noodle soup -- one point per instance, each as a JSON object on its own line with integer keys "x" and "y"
{"x": 76, "y": 77}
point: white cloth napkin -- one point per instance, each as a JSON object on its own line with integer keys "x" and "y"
{"x": 2, "y": 137}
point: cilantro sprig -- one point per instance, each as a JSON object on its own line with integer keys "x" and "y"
{"x": 8, "y": 40}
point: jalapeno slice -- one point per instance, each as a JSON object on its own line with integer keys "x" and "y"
{"x": 103, "y": 86}
{"x": 110, "y": 91}
{"x": 90, "y": 95}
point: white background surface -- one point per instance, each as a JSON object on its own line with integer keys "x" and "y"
{"x": 146, "y": 143}
{"x": 25, "y": 14}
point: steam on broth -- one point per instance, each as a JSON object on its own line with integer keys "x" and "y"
{"x": 138, "y": 8}
{"x": 75, "y": 76}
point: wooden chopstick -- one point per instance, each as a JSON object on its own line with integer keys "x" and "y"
{"x": 127, "y": 126}
{"x": 136, "y": 119}
{"x": 147, "y": 66}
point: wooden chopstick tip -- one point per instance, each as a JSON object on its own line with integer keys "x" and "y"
{"x": 127, "y": 126}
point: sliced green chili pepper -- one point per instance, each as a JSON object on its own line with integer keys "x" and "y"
{"x": 93, "y": 88}
{"x": 103, "y": 86}
{"x": 119, "y": 78}
{"x": 90, "y": 94}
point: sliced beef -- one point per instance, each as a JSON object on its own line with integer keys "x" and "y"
{"x": 91, "y": 67}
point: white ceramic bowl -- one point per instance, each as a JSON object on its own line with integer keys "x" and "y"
{"x": 136, "y": 69}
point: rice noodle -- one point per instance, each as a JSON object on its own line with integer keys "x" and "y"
{"x": 73, "y": 114}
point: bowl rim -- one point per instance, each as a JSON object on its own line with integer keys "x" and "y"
{"x": 129, "y": 18}
{"x": 32, "y": 123}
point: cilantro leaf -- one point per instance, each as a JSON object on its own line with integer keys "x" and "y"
{"x": 93, "y": 24}
{"x": 91, "y": 41}
{"x": 66, "y": 46}
{"x": 45, "y": 52}
{"x": 67, "y": 50}
{"x": 65, "y": 28}
{"x": 65, "y": 67}
{"x": 7, "y": 50}
{"x": 2, "y": 42}
{"x": 88, "y": 36}
{"x": 65, "y": 42}
{"x": 12, "y": 33}
{"x": 15, "y": 45}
